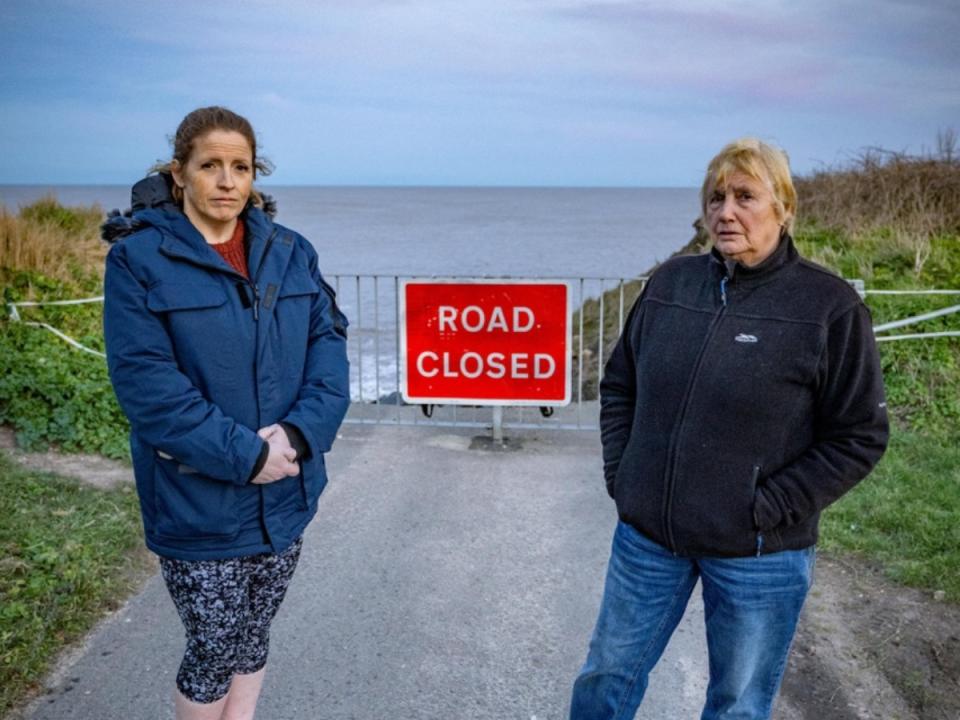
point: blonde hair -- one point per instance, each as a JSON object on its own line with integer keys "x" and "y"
{"x": 760, "y": 161}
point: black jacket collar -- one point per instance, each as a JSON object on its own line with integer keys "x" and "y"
{"x": 785, "y": 254}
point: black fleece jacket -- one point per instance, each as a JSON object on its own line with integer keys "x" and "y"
{"x": 739, "y": 403}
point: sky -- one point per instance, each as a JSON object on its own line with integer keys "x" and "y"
{"x": 473, "y": 92}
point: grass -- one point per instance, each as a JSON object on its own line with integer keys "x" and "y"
{"x": 610, "y": 331}
{"x": 906, "y": 515}
{"x": 69, "y": 554}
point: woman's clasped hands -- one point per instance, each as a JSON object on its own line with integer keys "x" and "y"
{"x": 281, "y": 460}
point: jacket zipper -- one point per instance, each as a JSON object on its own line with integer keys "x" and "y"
{"x": 671, "y": 469}
{"x": 256, "y": 278}
{"x": 254, "y": 284}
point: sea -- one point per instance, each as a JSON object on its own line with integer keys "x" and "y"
{"x": 460, "y": 231}
{"x": 369, "y": 238}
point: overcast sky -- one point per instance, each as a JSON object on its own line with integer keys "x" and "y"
{"x": 473, "y": 92}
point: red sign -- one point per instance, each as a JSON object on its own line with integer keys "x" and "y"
{"x": 485, "y": 342}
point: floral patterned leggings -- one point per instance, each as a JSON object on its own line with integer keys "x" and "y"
{"x": 226, "y": 607}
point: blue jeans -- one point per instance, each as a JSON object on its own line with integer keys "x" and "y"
{"x": 751, "y": 607}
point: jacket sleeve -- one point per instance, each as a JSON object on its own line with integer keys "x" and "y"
{"x": 851, "y": 428}
{"x": 618, "y": 395}
{"x": 164, "y": 407}
{"x": 324, "y": 396}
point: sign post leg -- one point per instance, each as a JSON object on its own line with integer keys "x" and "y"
{"x": 498, "y": 424}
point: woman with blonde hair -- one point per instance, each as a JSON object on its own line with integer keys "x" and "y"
{"x": 743, "y": 397}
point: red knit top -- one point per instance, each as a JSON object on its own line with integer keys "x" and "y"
{"x": 233, "y": 251}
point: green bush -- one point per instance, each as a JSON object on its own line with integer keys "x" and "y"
{"x": 51, "y": 393}
{"x": 73, "y": 220}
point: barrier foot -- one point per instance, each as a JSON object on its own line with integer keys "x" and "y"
{"x": 498, "y": 424}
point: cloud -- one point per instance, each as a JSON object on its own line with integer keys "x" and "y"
{"x": 387, "y": 87}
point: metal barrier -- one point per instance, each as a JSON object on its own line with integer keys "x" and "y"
{"x": 372, "y": 304}
{"x": 953, "y": 309}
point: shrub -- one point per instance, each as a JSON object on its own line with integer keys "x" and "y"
{"x": 912, "y": 199}
{"x": 56, "y": 242}
{"x": 51, "y": 393}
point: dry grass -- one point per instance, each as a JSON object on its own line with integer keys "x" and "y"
{"x": 56, "y": 242}
{"x": 914, "y": 198}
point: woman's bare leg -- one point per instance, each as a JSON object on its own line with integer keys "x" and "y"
{"x": 189, "y": 710}
{"x": 243, "y": 695}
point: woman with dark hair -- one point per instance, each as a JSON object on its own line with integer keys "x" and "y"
{"x": 228, "y": 355}
{"x": 743, "y": 397}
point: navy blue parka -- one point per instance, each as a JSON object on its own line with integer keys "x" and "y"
{"x": 200, "y": 358}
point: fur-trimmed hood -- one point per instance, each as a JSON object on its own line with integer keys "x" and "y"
{"x": 153, "y": 192}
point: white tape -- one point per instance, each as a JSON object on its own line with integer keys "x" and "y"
{"x": 67, "y": 338}
{"x": 15, "y": 317}
{"x": 81, "y": 301}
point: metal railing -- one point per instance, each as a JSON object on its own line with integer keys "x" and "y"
{"x": 371, "y": 302}
{"x": 904, "y": 322}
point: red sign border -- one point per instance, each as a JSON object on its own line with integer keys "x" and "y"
{"x": 402, "y": 302}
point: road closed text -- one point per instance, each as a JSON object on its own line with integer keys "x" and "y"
{"x": 475, "y": 342}
{"x": 496, "y": 365}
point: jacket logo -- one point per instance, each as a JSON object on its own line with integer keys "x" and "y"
{"x": 743, "y": 337}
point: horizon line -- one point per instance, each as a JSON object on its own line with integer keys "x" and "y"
{"x": 361, "y": 186}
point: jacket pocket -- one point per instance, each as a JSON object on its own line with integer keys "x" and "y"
{"x": 168, "y": 297}
{"x": 292, "y": 305}
{"x": 301, "y": 285}
{"x": 200, "y": 324}
{"x": 755, "y": 478}
{"x": 298, "y": 283}
{"x": 192, "y": 506}
{"x": 313, "y": 479}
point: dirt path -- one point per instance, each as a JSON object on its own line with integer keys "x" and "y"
{"x": 91, "y": 469}
{"x": 869, "y": 649}
{"x": 866, "y": 649}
